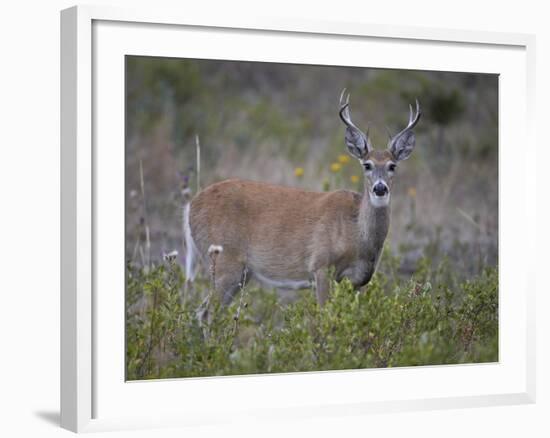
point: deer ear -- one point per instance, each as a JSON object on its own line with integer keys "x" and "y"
{"x": 357, "y": 143}
{"x": 402, "y": 145}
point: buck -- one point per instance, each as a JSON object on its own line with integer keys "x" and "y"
{"x": 290, "y": 238}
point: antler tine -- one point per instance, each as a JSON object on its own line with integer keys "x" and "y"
{"x": 344, "y": 101}
{"x": 344, "y": 109}
{"x": 414, "y": 120}
{"x": 414, "y": 117}
{"x": 342, "y": 96}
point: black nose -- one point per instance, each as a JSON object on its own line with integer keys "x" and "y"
{"x": 380, "y": 189}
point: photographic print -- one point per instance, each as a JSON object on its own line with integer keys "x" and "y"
{"x": 291, "y": 218}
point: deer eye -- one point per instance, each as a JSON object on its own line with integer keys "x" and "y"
{"x": 392, "y": 167}
{"x": 368, "y": 166}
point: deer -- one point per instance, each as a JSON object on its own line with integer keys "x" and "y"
{"x": 290, "y": 238}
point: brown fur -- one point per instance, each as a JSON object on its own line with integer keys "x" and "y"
{"x": 287, "y": 234}
{"x": 379, "y": 156}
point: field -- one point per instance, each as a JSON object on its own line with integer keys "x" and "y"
{"x": 434, "y": 298}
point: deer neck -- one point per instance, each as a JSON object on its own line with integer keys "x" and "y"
{"x": 374, "y": 223}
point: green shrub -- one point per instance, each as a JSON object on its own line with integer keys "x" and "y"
{"x": 394, "y": 322}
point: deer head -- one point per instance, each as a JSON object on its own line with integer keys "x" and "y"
{"x": 379, "y": 166}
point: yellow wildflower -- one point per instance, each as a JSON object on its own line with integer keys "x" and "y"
{"x": 412, "y": 192}
{"x": 299, "y": 172}
{"x": 354, "y": 179}
{"x": 335, "y": 167}
{"x": 344, "y": 159}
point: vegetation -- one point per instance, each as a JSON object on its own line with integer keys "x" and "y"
{"x": 429, "y": 319}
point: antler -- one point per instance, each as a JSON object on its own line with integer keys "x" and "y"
{"x": 345, "y": 114}
{"x": 354, "y": 131}
{"x": 414, "y": 117}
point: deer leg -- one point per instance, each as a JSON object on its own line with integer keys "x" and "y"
{"x": 228, "y": 276}
{"x": 231, "y": 277}
{"x": 321, "y": 285}
{"x": 229, "y": 280}
{"x": 227, "y": 288}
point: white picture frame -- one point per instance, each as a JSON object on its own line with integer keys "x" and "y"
{"x": 86, "y": 378}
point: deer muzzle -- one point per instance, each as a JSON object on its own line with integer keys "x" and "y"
{"x": 380, "y": 189}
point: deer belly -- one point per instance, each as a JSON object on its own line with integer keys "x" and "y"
{"x": 281, "y": 283}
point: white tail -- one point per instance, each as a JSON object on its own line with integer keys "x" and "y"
{"x": 190, "y": 248}
{"x": 291, "y": 238}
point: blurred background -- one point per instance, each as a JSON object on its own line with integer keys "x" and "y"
{"x": 279, "y": 123}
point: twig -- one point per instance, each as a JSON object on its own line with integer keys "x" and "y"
{"x": 202, "y": 312}
{"x": 213, "y": 252}
{"x": 147, "y": 357}
{"x": 198, "y": 146}
{"x": 468, "y": 218}
{"x": 241, "y": 301}
{"x": 145, "y": 219}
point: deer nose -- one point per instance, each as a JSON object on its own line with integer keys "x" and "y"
{"x": 380, "y": 189}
